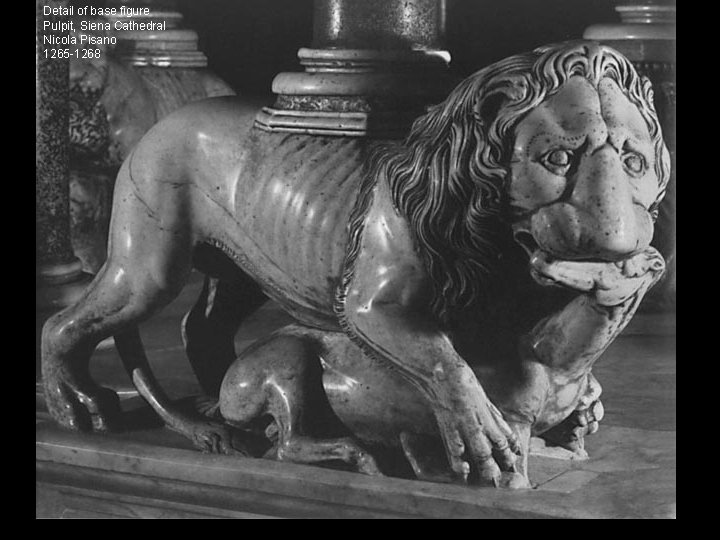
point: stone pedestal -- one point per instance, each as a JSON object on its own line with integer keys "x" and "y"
{"x": 373, "y": 67}
{"x": 59, "y": 277}
{"x": 646, "y": 35}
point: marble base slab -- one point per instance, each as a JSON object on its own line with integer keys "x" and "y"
{"x": 153, "y": 473}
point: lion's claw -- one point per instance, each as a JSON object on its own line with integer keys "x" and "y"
{"x": 82, "y": 408}
{"x": 478, "y": 442}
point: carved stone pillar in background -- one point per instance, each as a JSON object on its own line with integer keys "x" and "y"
{"x": 373, "y": 67}
{"x": 169, "y": 61}
{"x": 116, "y": 99}
{"x": 59, "y": 273}
{"x": 647, "y": 36}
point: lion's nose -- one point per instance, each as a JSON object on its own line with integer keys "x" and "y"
{"x": 603, "y": 194}
{"x": 599, "y": 220}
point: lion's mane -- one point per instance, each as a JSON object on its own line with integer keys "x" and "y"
{"x": 449, "y": 177}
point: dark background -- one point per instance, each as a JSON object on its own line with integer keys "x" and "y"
{"x": 249, "y": 41}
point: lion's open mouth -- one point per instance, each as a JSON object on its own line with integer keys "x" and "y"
{"x": 527, "y": 242}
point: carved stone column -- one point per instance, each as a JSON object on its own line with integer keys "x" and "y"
{"x": 373, "y": 67}
{"x": 646, "y": 34}
{"x": 59, "y": 273}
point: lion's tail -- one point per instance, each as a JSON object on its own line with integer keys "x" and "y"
{"x": 132, "y": 353}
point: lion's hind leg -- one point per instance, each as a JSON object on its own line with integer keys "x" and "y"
{"x": 116, "y": 299}
{"x": 149, "y": 261}
{"x": 281, "y": 377}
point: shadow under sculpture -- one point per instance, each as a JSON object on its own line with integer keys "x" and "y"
{"x": 451, "y": 291}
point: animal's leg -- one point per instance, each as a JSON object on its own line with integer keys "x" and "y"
{"x": 473, "y": 428}
{"x": 584, "y": 420}
{"x": 149, "y": 261}
{"x": 296, "y": 446}
{"x": 209, "y": 327}
{"x": 206, "y": 434}
{"x": 281, "y": 376}
{"x": 590, "y": 407}
{"x": 114, "y": 300}
{"x": 385, "y": 306}
{"x": 302, "y": 449}
{"x": 520, "y": 477}
{"x": 426, "y": 456}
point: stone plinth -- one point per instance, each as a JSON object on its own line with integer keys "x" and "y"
{"x": 154, "y": 474}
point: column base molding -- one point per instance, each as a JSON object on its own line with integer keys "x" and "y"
{"x": 345, "y": 124}
{"x": 59, "y": 290}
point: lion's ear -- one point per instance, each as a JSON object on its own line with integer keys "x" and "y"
{"x": 490, "y": 103}
{"x": 486, "y": 109}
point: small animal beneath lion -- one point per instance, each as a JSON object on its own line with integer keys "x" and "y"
{"x": 451, "y": 291}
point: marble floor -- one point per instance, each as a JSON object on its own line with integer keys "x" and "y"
{"x": 631, "y": 472}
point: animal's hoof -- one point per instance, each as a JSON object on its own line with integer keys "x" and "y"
{"x": 571, "y": 432}
{"x": 595, "y": 414}
{"x": 90, "y": 409}
{"x": 514, "y": 480}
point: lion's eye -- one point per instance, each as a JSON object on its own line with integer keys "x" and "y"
{"x": 559, "y": 158}
{"x": 634, "y": 163}
{"x": 557, "y": 161}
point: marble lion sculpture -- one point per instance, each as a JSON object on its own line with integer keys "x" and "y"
{"x": 451, "y": 291}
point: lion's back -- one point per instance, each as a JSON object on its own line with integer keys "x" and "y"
{"x": 294, "y": 198}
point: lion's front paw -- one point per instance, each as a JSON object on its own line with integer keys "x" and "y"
{"x": 479, "y": 444}
{"x": 570, "y": 433}
{"x": 81, "y": 407}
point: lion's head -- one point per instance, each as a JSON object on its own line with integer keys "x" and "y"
{"x": 560, "y": 146}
